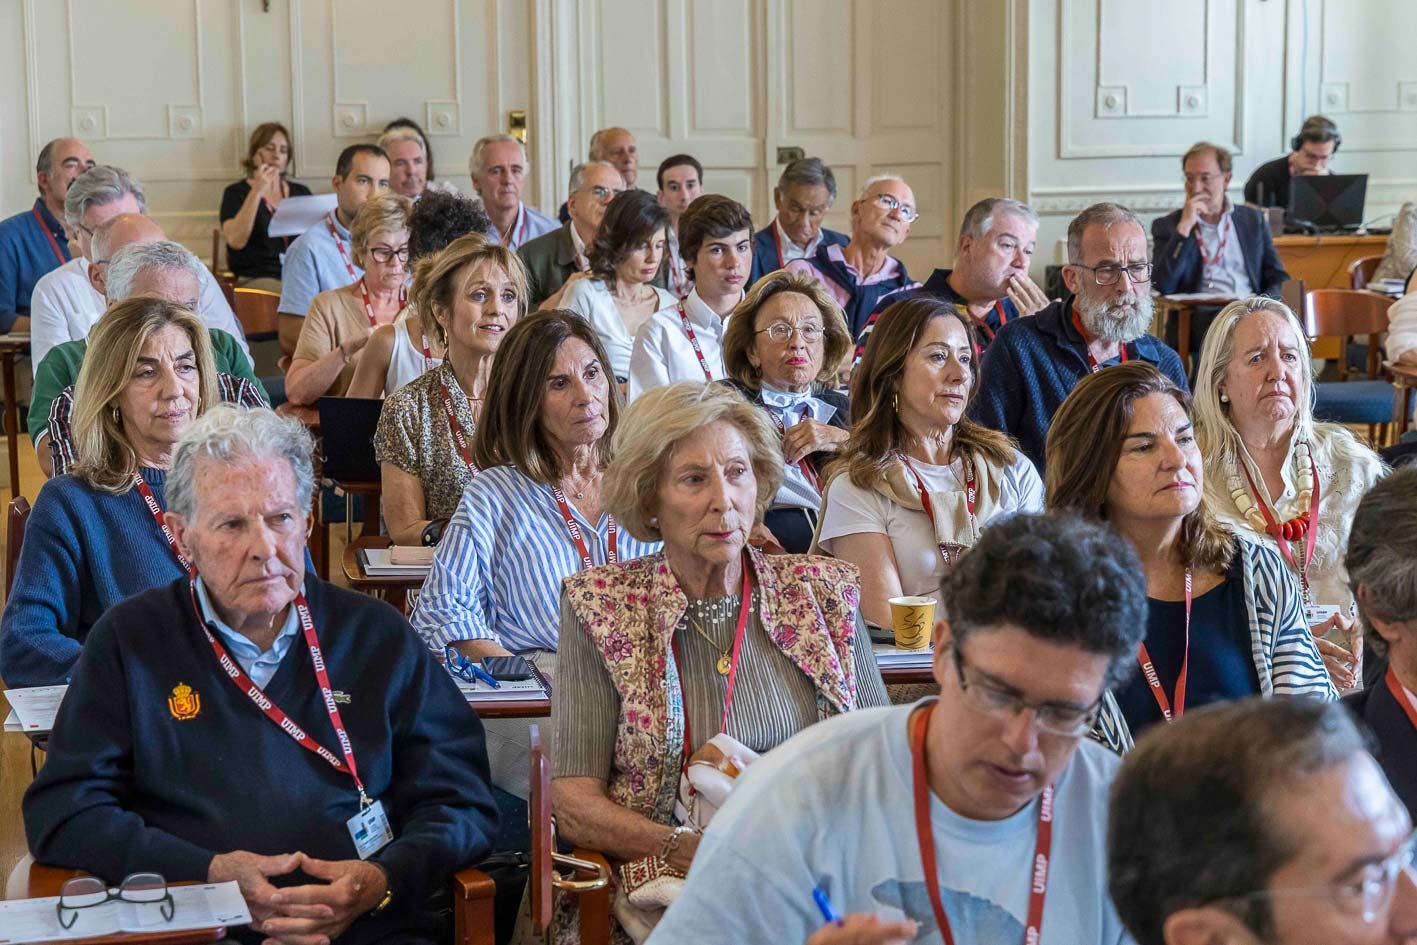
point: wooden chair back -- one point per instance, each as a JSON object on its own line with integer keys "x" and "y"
{"x": 256, "y": 311}
{"x": 14, "y": 538}
{"x": 1343, "y": 313}
{"x": 539, "y": 810}
{"x": 1360, "y": 271}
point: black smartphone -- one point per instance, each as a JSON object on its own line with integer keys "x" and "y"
{"x": 507, "y": 668}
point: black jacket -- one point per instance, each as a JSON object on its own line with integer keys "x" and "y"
{"x": 1397, "y": 739}
{"x": 1177, "y": 265}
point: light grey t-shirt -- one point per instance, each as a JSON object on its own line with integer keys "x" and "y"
{"x": 833, "y": 806}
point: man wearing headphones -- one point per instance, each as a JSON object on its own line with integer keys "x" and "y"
{"x": 1310, "y": 152}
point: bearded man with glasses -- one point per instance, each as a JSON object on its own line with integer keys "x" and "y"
{"x": 956, "y": 818}
{"x": 1033, "y": 363}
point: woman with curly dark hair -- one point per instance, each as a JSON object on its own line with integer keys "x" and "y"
{"x": 618, "y": 296}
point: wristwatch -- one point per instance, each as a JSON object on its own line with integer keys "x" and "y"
{"x": 388, "y": 892}
{"x": 433, "y": 531}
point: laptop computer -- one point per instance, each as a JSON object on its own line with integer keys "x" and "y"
{"x": 1328, "y": 201}
{"x": 347, "y": 426}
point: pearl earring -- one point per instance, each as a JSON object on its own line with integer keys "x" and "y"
{"x": 1225, "y": 398}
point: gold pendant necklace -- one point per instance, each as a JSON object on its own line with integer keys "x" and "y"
{"x": 725, "y": 659}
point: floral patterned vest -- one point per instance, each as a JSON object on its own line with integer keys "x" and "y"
{"x": 807, "y": 606}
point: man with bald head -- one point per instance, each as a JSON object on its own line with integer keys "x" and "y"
{"x": 618, "y": 147}
{"x": 34, "y": 242}
{"x": 132, "y": 258}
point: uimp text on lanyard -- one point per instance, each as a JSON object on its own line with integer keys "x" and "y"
{"x": 455, "y": 426}
{"x": 1171, "y": 709}
{"x": 155, "y": 510}
{"x": 694, "y": 341}
{"x": 971, "y": 493}
{"x": 339, "y": 245}
{"x": 612, "y": 539}
{"x": 738, "y": 635}
{"x": 925, "y": 836}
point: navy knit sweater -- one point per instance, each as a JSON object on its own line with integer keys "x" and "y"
{"x": 140, "y": 778}
{"x": 1033, "y": 364}
{"x": 84, "y": 551}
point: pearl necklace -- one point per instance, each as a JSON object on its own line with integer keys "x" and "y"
{"x": 1296, "y": 527}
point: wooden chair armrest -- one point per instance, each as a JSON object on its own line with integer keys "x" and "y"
{"x": 474, "y": 908}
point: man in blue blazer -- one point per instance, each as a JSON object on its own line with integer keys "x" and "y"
{"x": 803, "y": 195}
{"x": 1210, "y": 245}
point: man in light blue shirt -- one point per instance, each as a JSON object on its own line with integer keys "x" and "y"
{"x": 259, "y": 664}
{"x": 321, "y": 258}
{"x": 498, "y": 170}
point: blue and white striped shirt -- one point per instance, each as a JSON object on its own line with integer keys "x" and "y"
{"x": 497, "y": 572}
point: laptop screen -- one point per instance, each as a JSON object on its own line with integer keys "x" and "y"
{"x": 1328, "y": 201}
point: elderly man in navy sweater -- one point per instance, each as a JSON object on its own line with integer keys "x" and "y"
{"x": 1034, "y": 363}
{"x": 257, "y": 724}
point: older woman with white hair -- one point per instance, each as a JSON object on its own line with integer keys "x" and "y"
{"x": 1273, "y": 470}
{"x": 660, "y": 654}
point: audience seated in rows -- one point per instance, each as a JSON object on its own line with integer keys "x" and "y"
{"x": 470, "y": 295}
{"x": 149, "y": 758}
{"x": 918, "y": 479}
{"x": 498, "y": 169}
{"x": 937, "y": 812}
{"x": 33, "y": 241}
{"x": 247, "y": 206}
{"x": 339, "y": 322}
{"x": 1033, "y": 363}
{"x": 681, "y": 180}
{"x": 618, "y": 294}
{"x": 1225, "y": 617}
{"x": 1275, "y": 472}
{"x": 861, "y": 272}
{"x": 803, "y": 196}
{"x": 140, "y": 263}
{"x": 648, "y": 647}
{"x": 990, "y": 275}
{"x": 684, "y": 342}
{"x": 552, "y": 259}
{"x": 780, "y": 350}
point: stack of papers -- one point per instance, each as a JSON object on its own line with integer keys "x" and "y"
{"x": 887, "y": 655}
{"x": 378, "y": 562}
{"x": 524, "y": 689}
{"x": 33, "y": 710}
{"x": 208, "y": 906}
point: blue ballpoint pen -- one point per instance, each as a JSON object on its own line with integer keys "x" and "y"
{"x": 824, "y": 905}
{"x": 484, "y": 675}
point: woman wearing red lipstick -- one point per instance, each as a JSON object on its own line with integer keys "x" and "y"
{"x": 1274, "y": 472}
{"x": 1224, "y": 616}
{"x": 918, "y": 479}
{"x": 469, "y": 295}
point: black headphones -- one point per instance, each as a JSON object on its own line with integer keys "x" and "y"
{"x": 1317, "y": 128}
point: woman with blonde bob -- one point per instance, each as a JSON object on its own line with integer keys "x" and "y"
{"x": 1224, "y": 615}
{"x": 94, "y": 537}
{"x": 781, "y": 349}
{"x": 650, "y": 648}
{"x": 340, "y": 321}
{"x": 1274, "y": 472}
{"x": 469, "y": 295}
{"x": 918, "y": 479}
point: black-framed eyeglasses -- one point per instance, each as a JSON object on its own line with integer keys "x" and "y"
{"x": 1138, "y": 273}
{"x": 85, "y": 892}
{"x": 1368, "y": 894}
{"x": 459, "y": 665}
{"x": 781, "y": 332}
{"x": 889, "y": 204}
{"x": 386, "y": 255}
{"x": 989, "y": 699}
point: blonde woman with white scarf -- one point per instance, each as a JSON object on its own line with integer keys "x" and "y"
{"x": 917, "y": 480}
{"x": 1272, "y": 470}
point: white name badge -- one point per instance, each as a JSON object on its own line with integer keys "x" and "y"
{"x": 1316, "y": 614}
{"x": 370, "y": 830}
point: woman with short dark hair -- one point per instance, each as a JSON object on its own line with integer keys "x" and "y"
{"x": 248, "y": 205}
{"x": 617, "y": 295}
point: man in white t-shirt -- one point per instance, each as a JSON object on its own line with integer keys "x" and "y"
{"x": 1046, "y": 613}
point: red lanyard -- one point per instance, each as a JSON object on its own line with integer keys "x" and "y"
{"x": 514, "y": 242}
{"x": 428, "y": 364}
{"x": 694, "y": 340}
{"x": 44, "y": 228}
{"x": 738, "y": 636}
{"x": 151, "y": 501}
{"x": 1208, "y": 261}
{"x": 1396, "y": 689}
{"x": 612, "y": 541}
{"x": 1092, "y": 364}
{"x": 805, "y": 463}
{"x": 455, "y": 426}
{"x": 678, "y": 277}
{"x": 339, "y": 245}
{"x": 369, "y": 305}
{"x": 1273, "y": 527}
{"x": 777, "y": 241}
{"x": 1149, "y": 669}
{"x": 925, "y": 834}
{"x": 970, "y": 493}
{"x": 273, "y": 712}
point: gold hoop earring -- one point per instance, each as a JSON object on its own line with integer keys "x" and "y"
{"x": 117, "y": 417}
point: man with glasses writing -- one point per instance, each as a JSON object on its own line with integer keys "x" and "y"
{"x": 1296, "y": 838}
{"x": 553, "y": 258}
{"x": 980, "y": 814}
{"x": 1033, "y": 363}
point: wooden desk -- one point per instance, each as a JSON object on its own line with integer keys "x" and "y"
{"x": 370, "y": 493}
{"x": 1323, "y": 261}
{"x": 394, "y": 589}
{"x": 11, "y": 347}
{"x": 44, "y": 881}
{"x": 908, "y": 675}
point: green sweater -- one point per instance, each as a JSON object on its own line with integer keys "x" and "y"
{"x": 60, "y": 369}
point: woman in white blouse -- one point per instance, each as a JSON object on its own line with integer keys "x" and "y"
{"x": 917, "y": 479}
{"x": 617, "y": 295}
